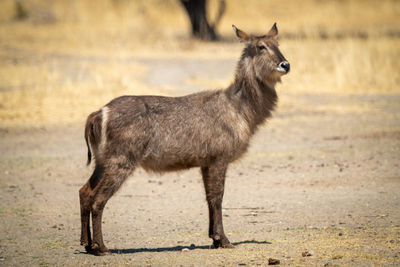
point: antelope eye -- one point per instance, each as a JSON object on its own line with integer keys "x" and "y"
{"x": 261, "y": 47}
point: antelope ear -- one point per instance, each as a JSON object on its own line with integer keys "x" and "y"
{"x": 241, "y": 34}
{"x": 274, "y": 31}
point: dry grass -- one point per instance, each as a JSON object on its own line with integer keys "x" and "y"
{"x": 313, "y": 17}
{"x": 343, "y": 66}
{"x": 70, "y": 57}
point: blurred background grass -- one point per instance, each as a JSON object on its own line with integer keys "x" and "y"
{"x": 68, "y": 58}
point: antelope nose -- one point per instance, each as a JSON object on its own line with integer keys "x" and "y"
{"x": 285, "y": 65}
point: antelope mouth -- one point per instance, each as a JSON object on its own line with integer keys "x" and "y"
{"x": 281, "y": 70}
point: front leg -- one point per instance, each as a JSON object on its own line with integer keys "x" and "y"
{"x": 214, "y": 181}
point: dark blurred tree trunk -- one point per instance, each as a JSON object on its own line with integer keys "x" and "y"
{"x": 197, "y": 12}
{"x": 20, "y": 11}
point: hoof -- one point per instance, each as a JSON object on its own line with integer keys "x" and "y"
{"x": 89, "y": 249}
{"x": 97, "y": 251}
{"x": 219, "y": 244}
{"x": 102, "y": 253}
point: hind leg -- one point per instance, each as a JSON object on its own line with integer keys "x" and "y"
{"x": 85, "y": 196}
{"x": 110, "y": 182}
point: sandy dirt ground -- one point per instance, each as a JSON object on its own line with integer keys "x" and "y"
{"x": 322, "y": 175}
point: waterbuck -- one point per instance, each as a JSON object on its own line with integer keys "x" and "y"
{"x": 209, "y": 130}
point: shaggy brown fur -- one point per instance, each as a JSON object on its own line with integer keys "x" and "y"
{"x": 208, "y": 130}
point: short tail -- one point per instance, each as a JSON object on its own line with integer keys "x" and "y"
{"x": 87, "y": 133}
{"x": 92, "y": 133}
